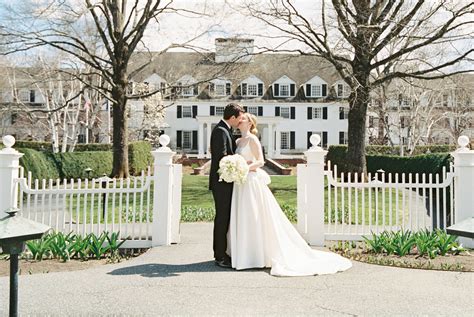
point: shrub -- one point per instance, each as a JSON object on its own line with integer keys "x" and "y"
{"x": 41, "y": 164}
{"x": 139, "y": 157}
{"x": 93, "y": 147}
{"x": 35, "y": 145}
{"x": 73, "y": 165}
{"x": 428, "y": 163}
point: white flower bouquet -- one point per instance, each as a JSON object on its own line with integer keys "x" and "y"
{"x": 233, "y": 168}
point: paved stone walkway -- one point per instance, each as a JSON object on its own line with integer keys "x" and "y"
{"x": 182, "y": 280}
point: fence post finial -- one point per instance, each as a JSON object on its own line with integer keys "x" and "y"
{"x": 9, "y": 169}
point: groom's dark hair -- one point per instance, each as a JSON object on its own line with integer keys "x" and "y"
{"x": 232, "y": 109}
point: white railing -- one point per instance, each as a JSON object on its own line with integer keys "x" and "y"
{"x": 145, "y": 210}
{"x": 386, "y": 201}
{"x": 345, "y": 206}
{"x": 83, "y": 206}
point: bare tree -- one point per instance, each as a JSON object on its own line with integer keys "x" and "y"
{"x": 358, "y": 37}
{"x": 118, "y": 29}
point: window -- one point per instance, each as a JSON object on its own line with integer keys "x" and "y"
{"x": 285, "y": 140}
{"x": 445, "y": 100}
{"x": 187, "y": 140}
{"x": 187, "y": 91}
{"x": 343, "y": 137}
{"x": 25, "y": 96}
{"x": 219, "y": 111}
{"x": 284, "y": 90}
{"x": 315, "y": 90}
{"x": 285, "y": 112}
{"x": 251, "y": 90}
{"x": 404, "y": 121}
{"x": 343, "y": 113}
{"x": 219, "y": 90}
{"x": 404, "y": 101}
{"x": 318, "y": 113}
{"x": 13, "y": 118}
{"x": 187, "y": 112}
{"x": 372, "y": 121}
{"x": 253, "y": 110}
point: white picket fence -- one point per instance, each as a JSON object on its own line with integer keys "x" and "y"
{"x": 340, "y": 206}
{"x": 146, "y": 210}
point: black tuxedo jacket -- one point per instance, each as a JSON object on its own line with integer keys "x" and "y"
{"x": 220, "y": 147}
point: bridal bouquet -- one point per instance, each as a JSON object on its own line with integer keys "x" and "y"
{"x": 233, "y": 168}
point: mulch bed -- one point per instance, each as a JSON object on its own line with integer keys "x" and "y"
{"x": 463, "y": 262}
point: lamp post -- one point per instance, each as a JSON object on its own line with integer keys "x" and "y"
{"x": 14, "y": 232}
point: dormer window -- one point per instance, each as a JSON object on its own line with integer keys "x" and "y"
{"x": 284, "y": 87}
{"x": 316, "y": 88}
{"x": 187, "y": 86}
{"x": 251, "y": 87}
{"x": 342, "y": 89}
{"x": 220, "y": 87}
{"x": 153, "y": 83}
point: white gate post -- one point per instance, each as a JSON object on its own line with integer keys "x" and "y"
{"x": 463, "y": 196}
{"x": 162, "y": 193}
{"x": 9, "y": 168}
{"x": 315, "y": 192}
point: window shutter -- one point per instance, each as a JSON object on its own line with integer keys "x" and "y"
{"x": 260, "y": 111}
{"x": 324, "y": 90}
{"x": 292, "y": 140}
{"x": 179, "y": 138}
{"x": 277, "y": 111}
{"x": 325, "y": 113}
{"x": 195, "y": 140}
{"x": 260, "y": 89}
{"x": 195, "y": 111}
{"x": 341, "y": 137}
{"x": 308, "y": 90}
{"x": 32, "y": 95}
{"x": 310, "y": 113}
{"x": 309, "y": 135}
{"x": 245, "y": 108}
{"x": 244, "y": 89}
{"x": 195, "y": 88}
{"x": 228, "y": 89}
{"x": 292, "y": 90}
{"x": 325, "y": 139}
{"x": 180, "y": 111}
{"x": 211, "y": 88}
{"x": 276, "y": 90}
{"x": 292, "y": 113}
{"x": 212, "y": 111}
{"x": 341, "y": 113}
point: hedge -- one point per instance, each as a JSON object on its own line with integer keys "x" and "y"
{"x": 427, "y": 163}
{"x": 139, "y": 157}
{"x": 74, "y": 164}
{"x": 42, "y": 165}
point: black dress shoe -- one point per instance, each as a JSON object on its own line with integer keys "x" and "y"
{"x": 225, "y": 263}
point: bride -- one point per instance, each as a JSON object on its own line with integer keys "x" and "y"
{"x": 260, "y": 235}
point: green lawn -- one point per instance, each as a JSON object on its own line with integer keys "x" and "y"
{"x": 198, "y": 204}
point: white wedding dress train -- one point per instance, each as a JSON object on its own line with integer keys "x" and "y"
{"x": 260, "y": 234}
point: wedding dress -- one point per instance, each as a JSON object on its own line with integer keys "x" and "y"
{"x": 261, "y": 235}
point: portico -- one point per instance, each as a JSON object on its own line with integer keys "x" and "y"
{"x": 268, "y": 131}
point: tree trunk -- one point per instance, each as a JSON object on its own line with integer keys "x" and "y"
{"x": 120, "y": 128}
{"x": 358, "y": 101}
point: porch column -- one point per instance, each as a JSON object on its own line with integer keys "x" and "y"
{"x": 208, "y": 137}
{"x": 270, "y": 141}
{"x": 201, "y": 140}
{"x": 278, "y": 142}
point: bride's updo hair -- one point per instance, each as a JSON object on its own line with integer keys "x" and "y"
{"x": 253, "y": 120}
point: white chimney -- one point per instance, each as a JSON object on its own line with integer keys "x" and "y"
{"x": 234, "y": 49}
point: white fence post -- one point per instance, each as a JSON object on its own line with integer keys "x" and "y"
{"x": 314, "y": 226}
{"x": 463, "y": 196}
{"x": 9, "y": 168}
{"x": 176, "y": 215}
{"x": 162, "y": 193}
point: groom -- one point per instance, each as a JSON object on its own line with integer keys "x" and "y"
{"x": 222, "y": 144}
